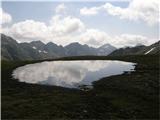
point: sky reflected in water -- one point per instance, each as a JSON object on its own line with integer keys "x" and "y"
{"x": 70, "y": 74}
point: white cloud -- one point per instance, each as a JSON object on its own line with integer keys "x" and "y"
{"x": 146, "y": 11}
{"x": 61, "y": 8}
{"x": 5, "y": 17}
{"x": 64, "y": 29}
{"x": 130, "y": 40}
{"x": 89, "y": 11}
{"x": 66, "y": 25}
{"x": 137, "y": 10}
{"x": 29, "y": 30}
{"x": 60, "y": 29}
{"x": 94, "y": 37}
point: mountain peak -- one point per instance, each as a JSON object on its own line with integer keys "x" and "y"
{"x": 73, "y": 44}
{"x": 106, "y": 49}
{"x": 106, "y": 46}
{"x": 51, "y": 44}
{"x": 139, "y": 44}
{"x": 37, "y": 42}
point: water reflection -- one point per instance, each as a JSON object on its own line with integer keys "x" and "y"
{"x": 70, "y": 73}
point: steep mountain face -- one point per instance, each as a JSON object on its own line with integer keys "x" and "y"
{"x": 54, "y": 49}
{"x": 76, "y": 49}
{"x": 127, "y": 51}
{"x": 11, "y": 50}
{"x": 106, "y": 49}
{"x": 34, "y": 52}
{"x": 37, "y": 45}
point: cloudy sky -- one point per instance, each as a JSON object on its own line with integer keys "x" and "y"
{"x": 117, "y": 22}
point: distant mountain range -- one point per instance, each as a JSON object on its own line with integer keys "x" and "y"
{"x": 12, "y": 50}
{"x": 36, "y": 50}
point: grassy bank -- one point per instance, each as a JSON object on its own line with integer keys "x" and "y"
{"x": 127, "y": 96}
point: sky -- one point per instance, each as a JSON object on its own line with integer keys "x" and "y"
{"x": 118, "y": 22}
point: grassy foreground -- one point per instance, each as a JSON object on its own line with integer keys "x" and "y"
{"x": 126, "y": 96}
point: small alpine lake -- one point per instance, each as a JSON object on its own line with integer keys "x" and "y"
{"x": 70, "y": 74}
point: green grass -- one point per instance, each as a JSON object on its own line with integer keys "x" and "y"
{"x": 126, "y": 96}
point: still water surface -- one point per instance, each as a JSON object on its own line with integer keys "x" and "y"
{"x": 70, "y": 74}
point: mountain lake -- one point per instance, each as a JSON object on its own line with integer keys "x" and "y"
{"x": 70, "y": 74}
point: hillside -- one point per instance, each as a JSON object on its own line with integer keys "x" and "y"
{"x": 127, "y": 51}
{"x": 153, "y": 49}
